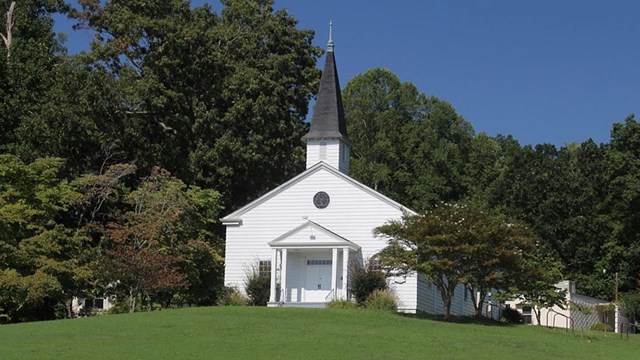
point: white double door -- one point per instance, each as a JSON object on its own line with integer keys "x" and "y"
{"x": 318, "y": 283}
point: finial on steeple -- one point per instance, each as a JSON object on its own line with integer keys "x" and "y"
{"x": 330, "y": 44}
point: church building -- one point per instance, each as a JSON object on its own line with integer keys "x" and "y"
{"x": 309, "y": 231}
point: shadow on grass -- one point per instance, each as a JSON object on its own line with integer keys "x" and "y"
{"x": 460, "y": 320}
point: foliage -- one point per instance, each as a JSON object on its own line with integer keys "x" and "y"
{"x": 258, "y": 286}
{"x": 27, "y": 68}
{"x": 342, "y": 304}
{"x": 310, "y": 334}
{"x": 232, "y": 297}
{"x": 404, "y": 144}
{"x": 379, "y": 108}
{"x": 536, "y": 282}
{"x": 458, "y": 244}
{"x": 152, "y": 251}
{"x": 512, "y": 316}
{"x": 384, "y": 300}
{"x": 601, "y": 327}
{"x": 631, "y": 305}
{"x": 216, "y": 98}
{"x": 41, "y": 263}
{"x": 364, "y": 280}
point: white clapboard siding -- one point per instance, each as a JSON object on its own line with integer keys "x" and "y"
{"x": 405, "y": 288}
{"x": 332, "y": 151}
{"x": 430, "y": 301}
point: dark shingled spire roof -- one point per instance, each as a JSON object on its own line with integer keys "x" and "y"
{"x": 328, "y": 114}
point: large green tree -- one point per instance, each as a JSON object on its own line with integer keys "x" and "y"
{"x": 163, "y": 243}
{"x": 217, "y": 99}
{"x": 406, "y": 145}
{"x": 622, "y": 203}
{"x": 380, "y": 108}
{"x": 455, "y": 245}
{"x": 29, "y": 53}
{"x": 42, "y": 263}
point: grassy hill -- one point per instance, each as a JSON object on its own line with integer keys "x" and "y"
{"x": 261, "y": 333}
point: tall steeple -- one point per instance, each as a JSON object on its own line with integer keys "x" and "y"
{"x": 327, "y": 137}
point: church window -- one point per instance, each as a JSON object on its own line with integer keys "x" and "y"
{"x": 319, "y": 262}
{"x": 375, "y": 265}
{"x": 321, "y": 200}
{"x": 265, "y": 267}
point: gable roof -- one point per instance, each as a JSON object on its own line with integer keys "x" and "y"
{"x": 236, "y": 216}
{"x": 328, "y": 113}
{"x": 323, "y": 238}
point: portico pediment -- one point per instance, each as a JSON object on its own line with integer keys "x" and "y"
{"x": 311, "y": 235}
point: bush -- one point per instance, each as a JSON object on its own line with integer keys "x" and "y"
{"x": 601, "y": 327}
{"x": 342, "y": 304}
{"x": 232, "y": 297}
{"x": 364, "y": 281}
{"x": 258, "y": 286}
{"x": 383, "y": 300}
{"x": 631, "y": 305}
{"x": 512, "y": 316}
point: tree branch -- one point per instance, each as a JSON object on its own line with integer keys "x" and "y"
{"x": 9, "y": 37}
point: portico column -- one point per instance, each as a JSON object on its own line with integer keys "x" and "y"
{"x": 334, "y": 270}
{"x": 283, "y": 276}
{"x": 274, "y": 265}
{"x": 345, "y": 273}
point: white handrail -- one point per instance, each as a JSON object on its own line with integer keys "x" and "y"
{"x": 329, "y": 294}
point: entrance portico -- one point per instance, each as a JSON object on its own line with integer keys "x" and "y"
{"x": 310, "y": 265}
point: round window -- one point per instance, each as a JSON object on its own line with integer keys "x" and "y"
{"x": 321, "y": 200}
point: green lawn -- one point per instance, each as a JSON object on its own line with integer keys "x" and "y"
{"x": 261, "y": 333}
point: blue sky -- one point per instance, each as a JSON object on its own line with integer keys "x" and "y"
{"x": 543, "y": 71}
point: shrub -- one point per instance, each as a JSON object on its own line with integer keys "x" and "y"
{"x": 258, "y": 286}
{"x": 232, "y": 297}
{"x": 384, "y": 300}
{"x": 342, "y": 304}
{"x": 601, "y": 327}
{"x": 631, "y": 305}
{"x": 512, "y": 316}
{"x": 364, "y": 281}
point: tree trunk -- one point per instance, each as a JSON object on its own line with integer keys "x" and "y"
{"x": 68, "y": 308}
{"x": 132, "y": 301}
{"x": 480, "y": 303}
{"x": 447, "y": 309}
{"x": 536, "y": 312}
{"x": 9, "y": 37}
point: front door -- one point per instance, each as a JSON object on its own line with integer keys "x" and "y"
{"x": 318, "y": 283}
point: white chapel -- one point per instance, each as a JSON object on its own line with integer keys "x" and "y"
{"x": 308, "y": 231}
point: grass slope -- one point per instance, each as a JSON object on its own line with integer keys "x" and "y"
{"x": 261, "y": 333}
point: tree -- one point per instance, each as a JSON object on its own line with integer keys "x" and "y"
{"x": 379, "y": 108}
{"x": 425, "y": 244}
{"x": 406, "y": 145}
{"x": 535, "y": 283}
{"x": 622, "y": 203}
{"x": 457, "y": 244}
{"x": 496, "y": 247}
{"x": 559, "y": 192}
{"x": 141, "y": 271}
{"x": 214, "y": 98}
{"x": 28, "y": 58}
{"x": 41, "y": 260}
{"x": 165, "y": 243}
{"x": 631, "y": 306}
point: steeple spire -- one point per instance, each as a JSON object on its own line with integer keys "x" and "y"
{"x": 327, "y": 136}
{"x": 328, "y": 114}
{"x": 330, "y": 43}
